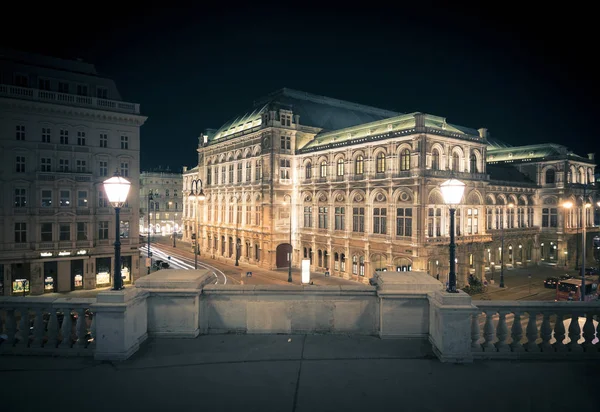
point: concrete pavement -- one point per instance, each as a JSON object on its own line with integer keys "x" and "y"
{"x": 298, "y": 373}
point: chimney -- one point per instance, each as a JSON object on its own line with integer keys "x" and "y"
{"x": 483, "y": 133}
{"x": 591, "y": 156}
{"x": 297, "y": 118}
{"x": 419, "y": 120}
{"x": 185, "y": 168}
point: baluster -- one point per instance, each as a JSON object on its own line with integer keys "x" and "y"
{"x": 532, "y": 333}
{"x": 546, "y": 334}
{"x": 52, "y": 330}
{"x": 81, "y": 328}
{"x": 574, "y": 334}
{"x": 475, "y": 335}
{"x": 38, "y": 329}
{"x": 23, "y": 340}
{"x": 559, "y": 333}
{"x": 502, "y": 333}
{"x": 488, "y": 332}
{"x": 588, "y": 333}
{"x": 66, "y": 329}
{"x": 11, "y": 326}
{"x": 517, "y": 334}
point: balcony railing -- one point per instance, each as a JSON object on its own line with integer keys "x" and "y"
{"x": 461, "y": 239}
{"x": 68, "y": 99}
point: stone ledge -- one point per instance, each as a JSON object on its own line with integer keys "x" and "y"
{"x": 175, "y": 279}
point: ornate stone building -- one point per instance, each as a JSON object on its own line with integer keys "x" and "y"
{"x": 64, "y": 129}
{"x": 166, "y": 203}
{"x": 362, "y": 187}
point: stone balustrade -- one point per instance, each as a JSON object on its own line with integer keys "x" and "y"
{"x": 515, "y": 330}
{"x": 47, "y": 326}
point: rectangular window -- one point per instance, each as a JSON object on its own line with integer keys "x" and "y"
{"x": 239, "y": 172}
{"x": 239, "y": 214}
{"x": 125, "y": 169}
{"x": 101, "y": 92}
{"x": 103, "y": 168}
{"x": 358, "y": 219}
{"x": 208, "y": 176}
{"x": 82, "y": 233}
{"x": 44, "y": 84}
{"x": 102, "y": 199}
{"x": 20, "y": 132}
{"x": 82, "y": 200}
{"x": 63, "y": 165}
{"x": 46, "y": 135}
{"x": 323, "y": 217}
{"x": 63, "y": 87}
{"x": 46, "y": 198}
{"x": 553, "y": 217}
{"x": 64, "y": 231}
{"x": 469, "y": 221}
{"x": 230, "y": 174}
{"x": 81, "y": 166}
{"x": 20, "y": 232}
{"x": 223, "y": 175}
{"x": 80, "y": 138}
{"x": 124, "y": 229}
{"x": 248, "y": 215}
{"x": 65, "y": 198}
{"x": 46, "y": 232}
{"x": 404, "y": 221}
{"x": 20, "y": 197}
{"x": 20, "y": 164}
{"x": 475, "y": 221}
{"x": 258, "y": 170}
{"x": 286, "y": 143}
{"x": 489, "y": 218}
{"x": 64, "y": 136}
{"x": 308, "y": 216}
{"x": 430, "y": 222}
{"x": 380, "y": 220}
{"x": 340, "y": 218}
{"x": 230, "y": 216}
{"x": 82, "y": 90}
{"x": 46, "y": 165}
{"x": 103, "y": 140}
{"x": 257, "y": 218}
{"x": 103, "y": 230}
{"x": 284, "y": 169}
{"x": 124, "y": 142}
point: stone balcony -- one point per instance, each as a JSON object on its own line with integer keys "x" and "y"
{"x": 68, "y": 99}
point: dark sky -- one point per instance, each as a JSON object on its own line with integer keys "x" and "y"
{"x": 527, "y": 75}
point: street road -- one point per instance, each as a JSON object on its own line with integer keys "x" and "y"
{"x": 182, "y": 257}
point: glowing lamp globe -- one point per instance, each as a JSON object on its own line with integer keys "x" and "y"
{"x": 192, "y": 196}
{"x": 117, "y": 189}
{"x": 452, "y": 191}
{"x": 200, "y": 196}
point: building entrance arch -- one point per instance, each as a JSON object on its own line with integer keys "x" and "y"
{"x": 282, "y": 255}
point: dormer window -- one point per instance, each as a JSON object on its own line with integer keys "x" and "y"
{"x": 102, "y": 93}
{"x": 285, "y": 119}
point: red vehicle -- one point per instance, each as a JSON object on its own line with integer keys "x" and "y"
{"x": 569, "y": 289}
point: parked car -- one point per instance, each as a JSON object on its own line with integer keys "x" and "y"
{"x": 592, "y": 271}
{"x": 565, "y": 277}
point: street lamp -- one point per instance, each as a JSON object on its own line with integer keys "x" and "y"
{"x": 193, "y": 196}
{"x": 452, "y": 192}
{"x": 238, "y": 245}
{"x": 116, "y": 189}
{"x": 510, "y": 205}
{"x": 170, "y": 203}
{"x": 584, "y": 207}
{"x": 150, "y": 198}
{"x": 291, "y": 247}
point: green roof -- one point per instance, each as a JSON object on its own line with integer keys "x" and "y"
{"x": 530, "y": 153}
{"x": 321, "y": 112}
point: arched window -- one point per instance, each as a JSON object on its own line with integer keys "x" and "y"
{"x": 473, "y": 165}
{"x": 405, "y": 160}
{"x": 435, "y": 159}
{"x": 359, "y": 165}
{"x": 455, "y": 162}
{"x": 550, "y": 176}
{"x": 380, "y": 163}
{"x": 309, "y": 170}
{"x": 340, "y": 167}
{"x": 323, "y": 169}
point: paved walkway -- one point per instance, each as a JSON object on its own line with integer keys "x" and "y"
{"x": 295, "y": 373}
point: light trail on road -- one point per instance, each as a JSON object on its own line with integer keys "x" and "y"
{"x": 181, "y": 262}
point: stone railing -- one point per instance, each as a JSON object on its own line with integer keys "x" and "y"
{"x": 508, "y": 329}
{"x": 47, "y": 326}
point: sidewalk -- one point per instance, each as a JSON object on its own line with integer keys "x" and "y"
{"x": 296, "y": 373}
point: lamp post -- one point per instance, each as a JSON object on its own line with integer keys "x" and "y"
{"x": 510, "y": 206}
{"x": 237, "y": 252}
{"x": 291, "y": 247}
{"x": 452, "y": 192}
{"x": 584, "y": 207}
{"x": 116, "y": 189}
{"x": 193, "y": 196}
{"x": 150, "y": 198}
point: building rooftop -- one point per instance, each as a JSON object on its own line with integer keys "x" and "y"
{"x": 507, "y": 173}
{"x": 534, "y": 152}
{"x": 315, "y": 111}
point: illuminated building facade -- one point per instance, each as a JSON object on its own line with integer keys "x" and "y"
{"x": 166, "y": 203}
{"x": 364, "y": 188}
{"x": 64, "y": 130}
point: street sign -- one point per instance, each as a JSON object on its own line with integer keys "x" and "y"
{"x": 248, "y": 274}
{"x": 148, "y": 262}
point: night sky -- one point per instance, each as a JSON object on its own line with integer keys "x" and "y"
{"x": 526, "y": 75}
